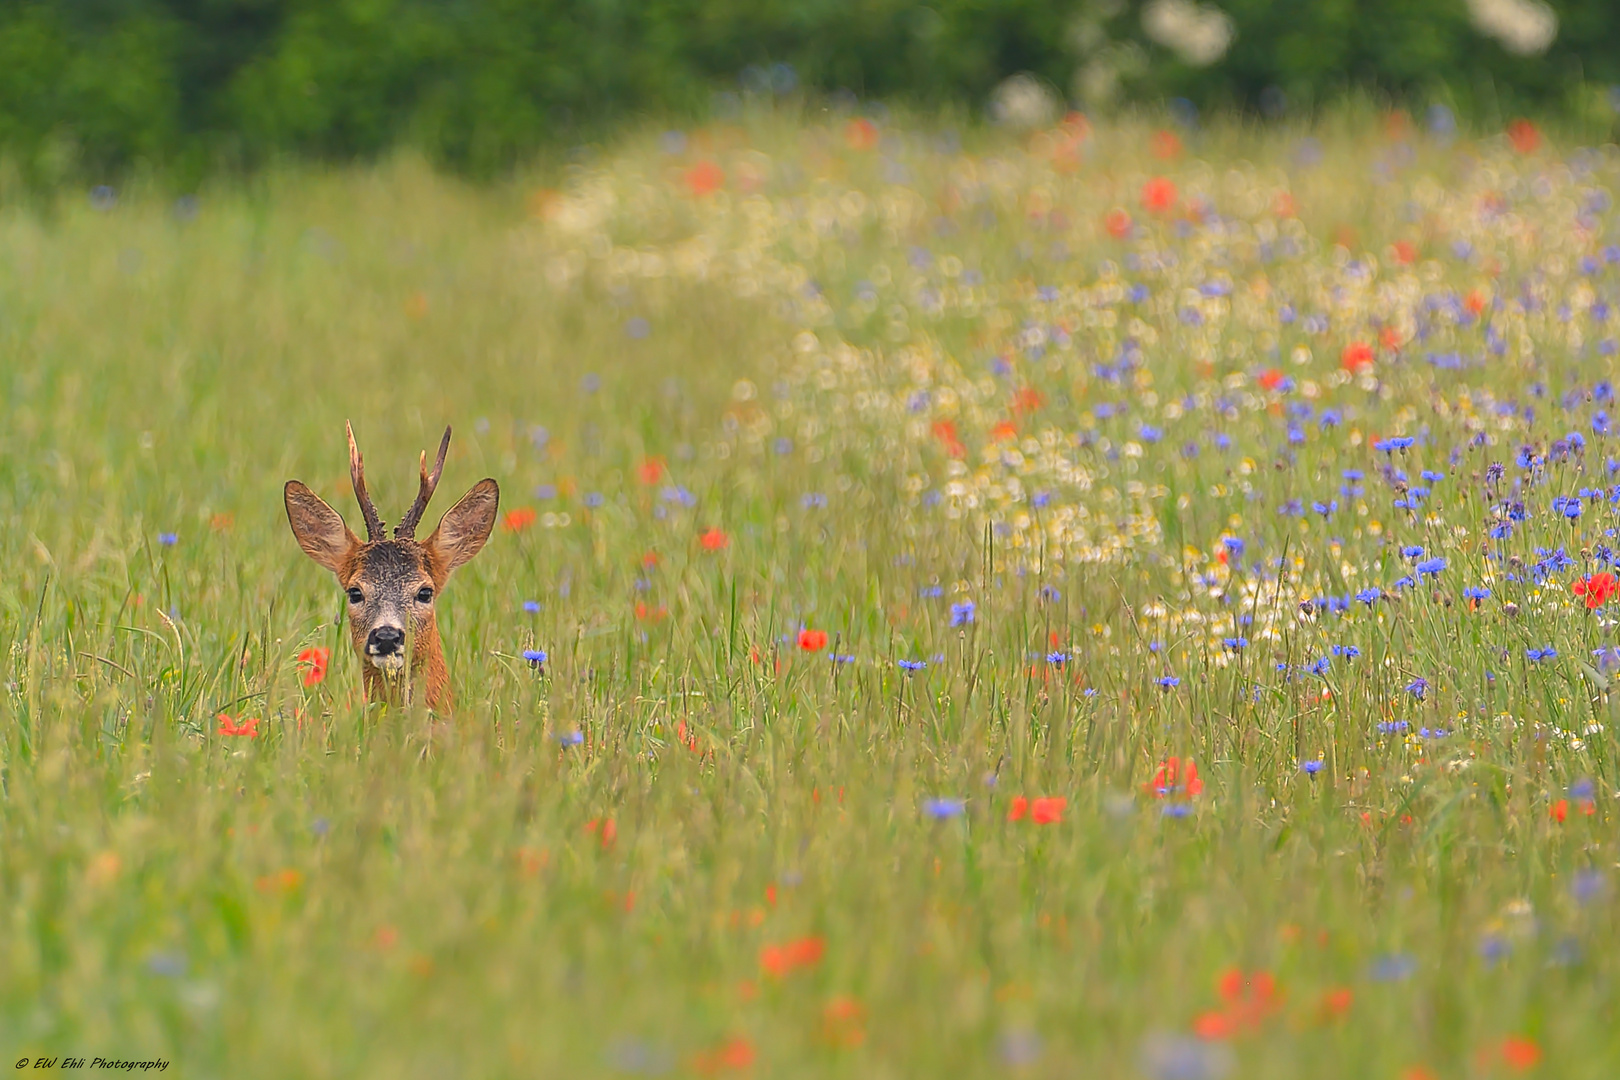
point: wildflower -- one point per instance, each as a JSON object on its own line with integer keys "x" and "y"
{"x": 1395, "y": 967}
{"x": 1349, "y": 652}
{"x": 1158, "y": 195}
{"x": 713, "y": 540}
{"x": 1247, "y": 1001}
{"x": 1411, "y": 551}
{"x": 1369, "y": 596}
{"x": 535, "y": 657}
{"x": 1048, "y": 811}
{"x": 1176, "y": 776}
{"x": 651, "y": 470}
{"x": 838, "y": 658}
{"x": 962, "y": 613}
{"x": 941, "y": 809}
{"x": 1312, "y": 767}
{"x": 519, "y": 519}
{"x": 168, "y": 539}
{"x": 1394, "y": 443}
{"x": 1476, "y": 593}
{"x": 1356, "y": 357}
{"x": 812, "y": 640}
{"x": 1168, "y": 682}
{"x": 1430, "y": 567}
{"x": 531, "y": 607}
{"x": 781, "y": 960}
{"x": 1056, "y": 657}
{"x": 734, "y": 1055}
{"x": 1235, "y": 644}
{"x": 571, "y": 738}
{"x": 1418, "y": 687}
{"x": 912, "y": 665}
{"x": 247, "y": 728}
{"x": 704, "y": 178}
{"x": 315, "y": 659}
{"x": 1536, "y": 656}
{"x": 1596, "y": 589}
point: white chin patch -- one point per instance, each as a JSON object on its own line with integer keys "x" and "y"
{"x": 392, "y": 664}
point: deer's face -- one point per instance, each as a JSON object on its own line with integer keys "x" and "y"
{"x": 391, "y": 584}
{"x": 390, "y": 594}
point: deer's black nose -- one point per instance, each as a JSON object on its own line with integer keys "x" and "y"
{"x": 385, "y": 640}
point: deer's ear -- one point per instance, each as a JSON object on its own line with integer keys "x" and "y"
{"x": 465, "y": 526}
{"x": 319, "y": 528}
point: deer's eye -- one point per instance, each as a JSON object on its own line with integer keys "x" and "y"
{"x": 356, "y": 596}
{"x": 424, "y": 595}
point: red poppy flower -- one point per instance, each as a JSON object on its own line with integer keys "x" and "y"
{"x": 1027, "y": 400}
{"x": 1520, "y": 1054}
{"x": 780, "y": 960}
{"x": 860, "y": 134}
{"x": 1166, "y": 145}
{"x": 248, "y": 728}
{"x": 316, "y": 659}
{"x": 519, "y": 519}
{"x": 733, "y": 1055}
{"x": 704, "y": 178}
{"x": 1270, "y": 379}
{"x": 1284, "y": 205}
{"x": 1598, "y": 589}
{"x": 1405, "y": 252}
{"x": 945, "y": 432}
{"x": 1176, "y": 775}
{"x": 1249, "y": 999}
{"x": 1118, "y": 223}
{"x": 1018, "y": 809}
{"x": 1357, "y": 356}
{"x": 1560, "y": 810}
{"x": 812, "y": 640}
{"x": 1525, "y": 136}
{"x": 1158, "y": 195}
{"x": 651, "y": 470}
{"x": 1048, "y": 811}
{"x": 713, "y": 540}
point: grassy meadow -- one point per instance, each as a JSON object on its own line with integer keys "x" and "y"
{"x": 1099, "y": 601}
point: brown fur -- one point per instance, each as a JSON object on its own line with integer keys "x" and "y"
{"x": 390, "y": 574}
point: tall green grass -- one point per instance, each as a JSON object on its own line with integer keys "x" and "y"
{"x": 359, "y": 892}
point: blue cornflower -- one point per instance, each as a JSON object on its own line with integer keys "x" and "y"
{"x": 1040, "y": 500}
{"x": 813, "y": 500}
{"x": 1394, "y": 443}
{"x": 1536, "y": 656}
{"x": 1234, "y": 545}
{"x": 840, "y": 658}
{"x": 1391, "y": 727}
{"x": 1433, "y": 733}
{"x": 1236, "y": 644}
{"x": 1312, "y": 767}
{"x": 1475, "y": 592}
{"x": 1431, "y": 566}
{"x": 1412, "y": 551}
{"x": 1349, "y": 652}
{"x": 1169, "y": 681}
{"x": 1581, "y": 789}
{"x": 1432, "y": 477}
{"x": 1369, "y": 596}
{"x": 1319, "y": 666}
{"x": 1393, "y": 968}
{"x": 532, "y": 607}
{"x": 536, "y": 657}
{"x": 1176, "y": 809}
{"x": 931, "y": 592}
{"x": 168, "y": 539}
{"x": 1326, "y": 509}
{"x": 941, "y": 809}
{"x": 913, "y": 665}
{"x": 1406, "y": 582}
{"x": 962, "y": 614}
{"x": 571, "y": 738}
{"x": 1418, "y": 687}
{"x": 1056, "y": 657}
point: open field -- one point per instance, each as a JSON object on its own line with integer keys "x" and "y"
{"x": 979, "y": 577}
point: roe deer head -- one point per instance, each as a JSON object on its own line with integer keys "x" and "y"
{"x": 392, "y": 584}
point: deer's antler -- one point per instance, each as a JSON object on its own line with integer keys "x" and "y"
{"x": 375, "y": 529}
{"x": 406, "y": 530}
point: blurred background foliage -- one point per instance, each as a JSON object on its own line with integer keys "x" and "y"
{"x": 90, "y": 87}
